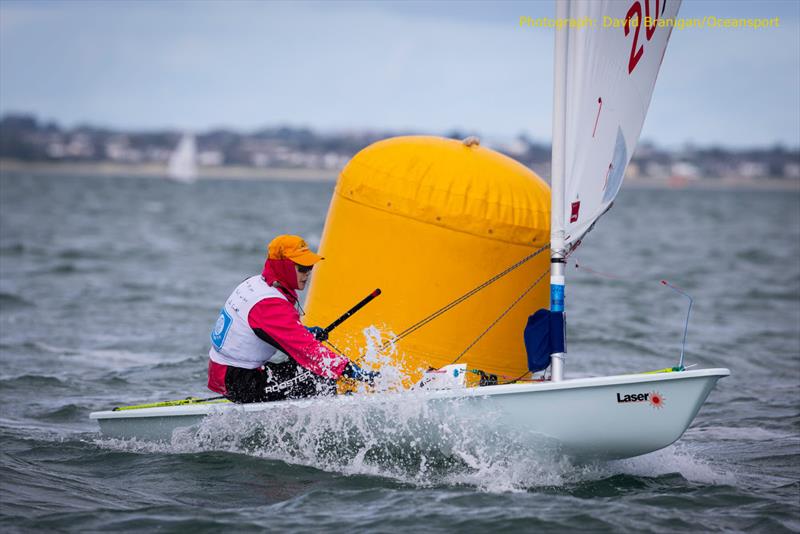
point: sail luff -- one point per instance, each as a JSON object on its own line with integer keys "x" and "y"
{"x": 558, "y": 163}
{"x": 557, "y": 178}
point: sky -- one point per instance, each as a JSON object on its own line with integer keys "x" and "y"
{"x": 416, "y": 67}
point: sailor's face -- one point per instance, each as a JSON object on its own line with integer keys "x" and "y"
{"x": 303, "y": 274}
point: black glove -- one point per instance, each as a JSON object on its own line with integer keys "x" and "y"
{"x": 355, "y": 372}
{"x": 319, "y": 333}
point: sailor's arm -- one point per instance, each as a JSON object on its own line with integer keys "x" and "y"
{"x": 275, "y": 321}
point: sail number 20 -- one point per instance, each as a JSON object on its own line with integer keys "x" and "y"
{"x": 649, "y": 23}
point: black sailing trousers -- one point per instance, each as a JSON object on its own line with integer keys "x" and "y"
{"x": 275, "y": 382}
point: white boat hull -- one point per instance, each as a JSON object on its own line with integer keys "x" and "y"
{"x": 586, "y": 418}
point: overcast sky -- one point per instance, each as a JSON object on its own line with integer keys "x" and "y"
{"x": 422, "y": 67}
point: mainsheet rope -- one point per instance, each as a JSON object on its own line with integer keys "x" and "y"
{"x": 416, "y": 326}
{"x": 505, "y": 312}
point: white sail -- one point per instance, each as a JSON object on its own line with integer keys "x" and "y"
{"x": 610, "y": 72}
{"x": 183, "y": 161}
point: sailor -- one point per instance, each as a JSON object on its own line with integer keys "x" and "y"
{"x": 260, "y": 351}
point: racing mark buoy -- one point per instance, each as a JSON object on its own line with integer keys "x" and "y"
{"x": 427, "y": 221}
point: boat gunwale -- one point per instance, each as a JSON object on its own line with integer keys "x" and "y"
{"x": 439, "y": 394}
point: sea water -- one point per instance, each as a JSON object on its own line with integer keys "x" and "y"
{"x": 109, "y": 286}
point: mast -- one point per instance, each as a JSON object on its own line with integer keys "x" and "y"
{"x": 558, "y": 167}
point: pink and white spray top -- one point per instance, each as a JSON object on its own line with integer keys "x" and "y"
{"x": 605, "y": 75}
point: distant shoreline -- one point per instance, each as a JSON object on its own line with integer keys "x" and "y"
{"x": 716, "y": 184}
{"x": 150, "y": 170}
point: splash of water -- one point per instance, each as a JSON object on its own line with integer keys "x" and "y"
{"x": 415, "y": 441}
{"x": 406, "y": 436}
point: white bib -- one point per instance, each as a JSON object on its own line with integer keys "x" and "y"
{"x": 233, "y": 342}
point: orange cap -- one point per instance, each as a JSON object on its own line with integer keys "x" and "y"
{"x": 292, "y": 247}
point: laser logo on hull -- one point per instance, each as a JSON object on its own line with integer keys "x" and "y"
{"x": 655, "y": 398}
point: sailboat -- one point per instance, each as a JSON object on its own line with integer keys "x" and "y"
{"x": 182, "y": 166}
{"x": 604, "y": 79}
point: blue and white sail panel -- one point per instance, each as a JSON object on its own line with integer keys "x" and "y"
{"x": 611, "y": 70}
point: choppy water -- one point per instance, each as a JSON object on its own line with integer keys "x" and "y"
{"x": 108, "y": 288}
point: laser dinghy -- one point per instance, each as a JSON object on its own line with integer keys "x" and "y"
{"x": 587, "y": 418}
{"x": 604, "y": 79}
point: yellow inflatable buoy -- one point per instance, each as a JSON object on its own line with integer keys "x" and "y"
{"x": 426, "y": 220}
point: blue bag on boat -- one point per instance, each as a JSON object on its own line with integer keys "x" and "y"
{"x": 544, "y": 335}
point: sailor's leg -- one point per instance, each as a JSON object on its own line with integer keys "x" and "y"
{"x": 246, "y": 385}
{"x": 293, "y": 381}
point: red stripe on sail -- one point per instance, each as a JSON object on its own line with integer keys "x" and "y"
{"x": 597, "y": 119}
{"x": 576, "y": 208}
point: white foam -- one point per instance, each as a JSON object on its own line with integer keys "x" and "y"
{"x": 407, "y": 438}
{"x": 674, "y": 459}
{"x": 413, "y": 443}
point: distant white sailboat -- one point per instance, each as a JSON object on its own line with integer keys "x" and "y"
{"x": 183, "y": 161}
